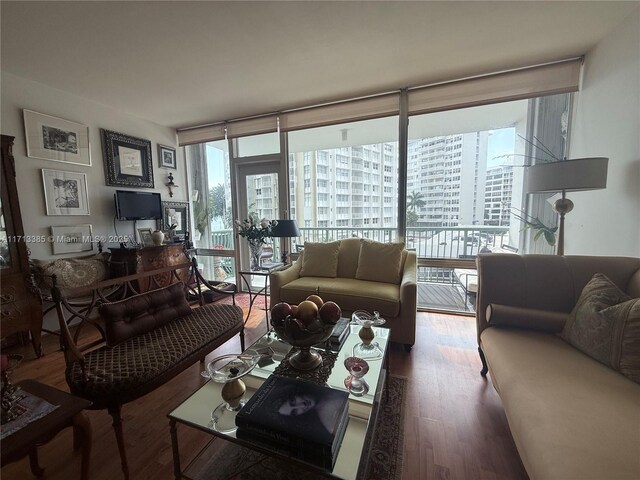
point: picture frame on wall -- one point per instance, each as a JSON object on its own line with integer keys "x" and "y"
{"x": 167, "y": 156}
{"x": 71, "y": 238}
{"x": 65, "y": 193}
{"x": 145, "y": 236}
{"x": 127, "y": 160}
{"x": 56, "y": 139}
{"x": 176, "y": 213}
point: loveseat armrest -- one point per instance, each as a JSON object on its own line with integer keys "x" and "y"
{"x": 409, "y": 298}
{"x": 280, "y": 278}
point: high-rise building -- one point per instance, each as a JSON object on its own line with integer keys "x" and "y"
{"x": 449, "y": 173}
{"x": 498, "y": 195}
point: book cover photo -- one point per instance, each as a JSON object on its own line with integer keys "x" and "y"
{"x": 296, "y": 413}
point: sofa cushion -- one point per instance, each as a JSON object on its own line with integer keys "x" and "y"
{"x": 143, "y": 313}
{"x": 348, "y": 257}
{"x": 71, "y": 272}
{"x": 320, "y": 259}
{"x": 570, "y": 416}
{"x": 587, "y": 328}
{"x": 380, "y": 262}
{"x": 348, "y": 293}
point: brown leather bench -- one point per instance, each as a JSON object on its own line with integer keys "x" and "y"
{"x": 149, "y": 338}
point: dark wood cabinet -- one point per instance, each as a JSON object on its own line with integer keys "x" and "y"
{"x": 147, "y": 259}
{"x": 21, "y": 304}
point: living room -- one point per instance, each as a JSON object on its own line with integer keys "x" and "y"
{"x": 157, "y": 71}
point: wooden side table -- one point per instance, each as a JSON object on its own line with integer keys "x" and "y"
{"x": 68, "y": 414}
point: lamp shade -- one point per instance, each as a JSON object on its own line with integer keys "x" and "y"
{"x": 286, "y": 228}
{"x": 568, "y": 175}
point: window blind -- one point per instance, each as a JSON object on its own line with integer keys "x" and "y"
{"x": 549, "y": 79}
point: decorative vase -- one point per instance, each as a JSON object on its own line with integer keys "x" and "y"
{"x": 256, "y": 253}
{"x": 157, "y": 237}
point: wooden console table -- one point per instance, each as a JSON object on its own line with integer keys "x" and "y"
{"x": 147, "y": 259}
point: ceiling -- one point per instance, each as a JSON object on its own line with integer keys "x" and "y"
{"x": 183, "y": 63}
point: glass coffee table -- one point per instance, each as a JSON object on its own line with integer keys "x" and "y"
{"x": 196, "y": 411}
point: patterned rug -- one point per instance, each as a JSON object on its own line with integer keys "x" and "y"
{"x": 227, "y": 461}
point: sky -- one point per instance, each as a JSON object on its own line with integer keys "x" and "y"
{"x": 501, "y": 142}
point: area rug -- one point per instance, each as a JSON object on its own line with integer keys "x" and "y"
{"x": 233, "y": 462}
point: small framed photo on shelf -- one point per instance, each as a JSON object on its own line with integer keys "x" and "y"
{"x": 127, "y": 160}
{"x": 176, "y": 213}
{"x": 71, "y": 239}
{"x": 65, "y": 193}
{"x": 167, "y": 156}
{"x": 52, "y": 138}
{"x": 145, "y": 237}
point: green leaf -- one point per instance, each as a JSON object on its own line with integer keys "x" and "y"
{"x": 537, "y": 235}
{"x": 550, "y": 238}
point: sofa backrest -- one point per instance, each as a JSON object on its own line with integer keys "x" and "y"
{"x": 546, "y": 282}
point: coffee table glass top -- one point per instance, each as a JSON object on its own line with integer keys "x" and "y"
{"x": 197, "y": 409}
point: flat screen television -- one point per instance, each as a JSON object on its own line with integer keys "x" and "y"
{"x": 138, "y": 205}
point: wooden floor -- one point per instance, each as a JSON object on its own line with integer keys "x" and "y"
{"x": 455, "y": 427}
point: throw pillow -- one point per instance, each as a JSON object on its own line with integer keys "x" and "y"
{"x": 380, "y": 262}
{"x": 71, "y": 272}
{"x": 604, "y": 319}
{"x": 142, "y": 313}
{"x": 625, "y": 354}
{"x": 320, "y": 259}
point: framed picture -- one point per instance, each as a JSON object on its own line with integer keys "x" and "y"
{"x": 51, "y": 138}
{"x": 145, "y": 236}
{"x": 176, "y": 213}
{"x": 127, "y": 160}
{"x": 72, "y": 239}
{"x": 167, "y": 156}
{"x": 65, "y": 193}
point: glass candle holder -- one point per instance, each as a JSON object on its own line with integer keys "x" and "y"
{"x": 357, "y": 368}
{"x": 367, "y": 348}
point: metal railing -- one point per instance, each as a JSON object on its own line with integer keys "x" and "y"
{"x": 428, "y": 242}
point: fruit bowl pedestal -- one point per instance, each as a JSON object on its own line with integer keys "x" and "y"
{"x": 303, "y": 338}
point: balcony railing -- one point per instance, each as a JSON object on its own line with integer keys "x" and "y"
{"x": 428, "y": 242}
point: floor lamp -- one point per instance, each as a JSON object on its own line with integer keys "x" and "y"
{"x": 286, "y": 229}
{"x": 567, "y": 176}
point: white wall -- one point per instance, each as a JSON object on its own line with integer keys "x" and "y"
{"x": 607, "y": 124}
{"x": 19, "y": 93}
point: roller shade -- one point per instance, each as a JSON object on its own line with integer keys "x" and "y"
{"x": 342, "y": 112}
{"x": 235, "y": 128}
{"x": 554, "y": 78}
{"x": 561, "y": 77}
{"x": 196, "y": 135}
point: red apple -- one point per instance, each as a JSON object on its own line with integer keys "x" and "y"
{"x": 280, "y": 311}
{"x": 315, "y": 299}
{"x": 330, "y": 313}
{"x": 294, "y": 311}
{"x": 307, "y": 312}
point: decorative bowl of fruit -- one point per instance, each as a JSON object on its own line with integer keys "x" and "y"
{"x": 304, "y": 325}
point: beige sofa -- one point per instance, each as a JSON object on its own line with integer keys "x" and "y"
{"x": 396, "y": 302}
{"x": 571, "y": 417}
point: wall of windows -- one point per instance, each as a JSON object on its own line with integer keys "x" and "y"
{"x": 343, "y": 180}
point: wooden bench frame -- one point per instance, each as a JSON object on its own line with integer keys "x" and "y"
{"x": 109, "y": 291}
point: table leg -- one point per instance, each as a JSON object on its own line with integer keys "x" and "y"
{"x": 36, "y": 469}
{"x": 82, "y": 439}
{"x": 177, "y": 473}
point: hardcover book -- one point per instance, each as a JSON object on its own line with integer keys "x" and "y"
{"x": 298, "y": 415}
{"x": 315, "y": 456}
